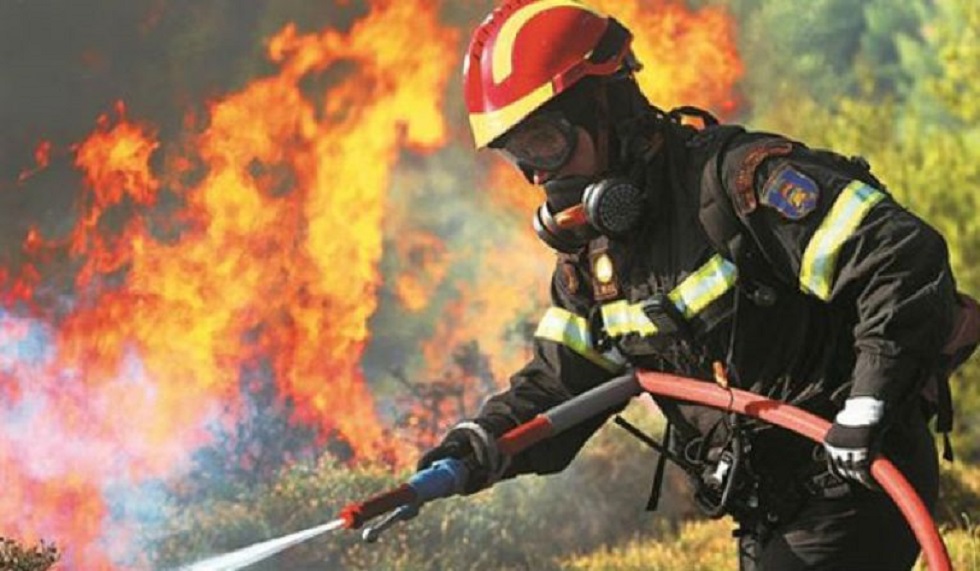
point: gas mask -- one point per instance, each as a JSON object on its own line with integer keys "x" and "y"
{"x": 578, "y": 208}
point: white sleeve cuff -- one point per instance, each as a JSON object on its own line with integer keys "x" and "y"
{"x": 861, "y": 411}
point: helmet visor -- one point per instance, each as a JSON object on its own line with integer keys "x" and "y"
{"x": 541, "y": 143}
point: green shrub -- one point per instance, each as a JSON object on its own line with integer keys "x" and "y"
{"x": 528, "y": 523}
{"x": 16, "y": 557}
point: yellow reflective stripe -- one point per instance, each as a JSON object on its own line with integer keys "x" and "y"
{"x": 820, "y": 257}
{"x": 492, "y": 124}
{"x": 572, "y": 331}
{"x": 704, "y": 286}
{"x": 621, "y": 318}
{"x": 696, "y": 292}
{"x": 503, "y": 48}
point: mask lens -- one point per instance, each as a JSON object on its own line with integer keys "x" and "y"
{"x": 545, "y": 143}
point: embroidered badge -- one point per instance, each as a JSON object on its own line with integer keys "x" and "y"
{"x": 745, "y": 180}
{"x": 790, "y": 192}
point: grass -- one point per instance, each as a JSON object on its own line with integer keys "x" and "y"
{"x": 708, "y": 545}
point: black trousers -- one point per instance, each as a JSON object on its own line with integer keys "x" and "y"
{"x": 861, "y": 531}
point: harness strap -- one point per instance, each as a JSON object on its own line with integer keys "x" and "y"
{"x": 664, "y": 455}
{"x": 962, "y": 342}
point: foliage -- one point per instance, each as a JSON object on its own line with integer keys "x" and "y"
{"x": 956, "y": 37}
{"x": 815, "y": 47}
{"x": 16, "y": 557}
{"x": 527, "y": 524}
{"x": 524, "y": 524}
{"x": 696, "y": 546}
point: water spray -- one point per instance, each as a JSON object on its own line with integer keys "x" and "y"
{"x": 260, "y": 551}
{"x": 447, "y": 476}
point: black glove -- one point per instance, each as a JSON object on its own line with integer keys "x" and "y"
{"x": 471, "y": 443}
{"x": 853, "y": 440}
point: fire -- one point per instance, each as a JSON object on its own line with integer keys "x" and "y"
{"x": 251, "y": 244}
{"x": 426, "y": 263}
{"x": 509, "y": 291}
{"x": 511, "y": 191}
{"x": 115, "y": 161}
{"x": 689, "y": 56}
{"x": 42, "y": 158}
{"x": 271, "y": 263}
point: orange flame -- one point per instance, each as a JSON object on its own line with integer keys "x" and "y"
{"x": 689, "y": 56}
{"x": 42, "y": 158}
{"x": 424, "y": 257}
{"x": 255, "y": 243}
{"x": 273, "y": 259}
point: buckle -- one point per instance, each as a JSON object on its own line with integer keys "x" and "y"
{"x": 827, "y": 485}
{"x": 664, "y": 314}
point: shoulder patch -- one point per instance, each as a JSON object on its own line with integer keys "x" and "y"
{"x": 745, "y": 180}
{"x": 790, "y": 192}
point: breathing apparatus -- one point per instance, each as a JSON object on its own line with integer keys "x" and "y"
{"x": 640, "y": 142}
{"x": 628, "y": 136}
{"x": 609, "y": 206}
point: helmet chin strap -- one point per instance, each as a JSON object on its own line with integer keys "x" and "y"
{"x": 603, "y": 127}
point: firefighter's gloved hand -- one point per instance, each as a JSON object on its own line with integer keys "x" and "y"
{"x": 471, "y": 443}
{"x": 852, "y": 442}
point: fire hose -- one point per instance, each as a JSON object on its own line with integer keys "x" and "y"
{"x": 446, "y": 477}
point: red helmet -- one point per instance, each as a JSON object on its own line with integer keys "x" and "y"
{"x": 527, "y": 52}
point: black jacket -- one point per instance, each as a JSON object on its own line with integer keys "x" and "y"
{"x": 794, "y": 266}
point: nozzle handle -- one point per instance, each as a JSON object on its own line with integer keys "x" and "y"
{"x": 444, "y": 478}
{"x": 373, "y": 532}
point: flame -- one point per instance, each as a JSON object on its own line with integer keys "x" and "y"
{"x": 426, "y": 263}
{"x": 689, "y": 55}
{"x": 42, "y": 158}
{"x": 509, "y": 289}
{"x": 251, "y": 242}
{"x": 271, "y": 260}
{"x": 510, "y": 191}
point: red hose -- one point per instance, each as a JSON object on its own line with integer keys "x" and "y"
{"x": 814, "y": 428}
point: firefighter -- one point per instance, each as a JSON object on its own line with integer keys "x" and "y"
{"x": 682, "y": 250}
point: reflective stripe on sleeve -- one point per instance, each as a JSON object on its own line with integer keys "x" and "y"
{"x": 702, "y": 287}
{"x": 572, "y": 331}
{"x": 820, "y": 257}
{"x": 698, "y": 290}
{"x": 621, "y": 318}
